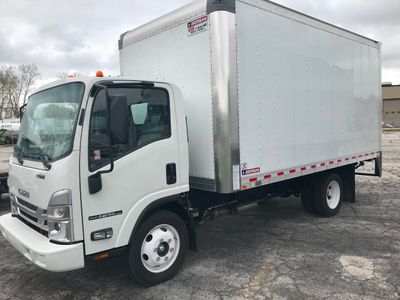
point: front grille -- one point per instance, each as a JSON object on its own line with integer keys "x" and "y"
{"x": 35, "y": 216}
{"x": 27, "y": 205}
{"x": 28, "y": 216}
{"x": 23, "y": 220}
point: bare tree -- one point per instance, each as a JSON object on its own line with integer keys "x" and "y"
{"x": 15, "y": 85}
{"x": 3, "y": 83}
{"x": 9, "y": 85}
{"x": 29, "y": 74}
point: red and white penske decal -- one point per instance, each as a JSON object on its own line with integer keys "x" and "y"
{"x": 255, "y": 180}
{"x": 251, "y": 171}
{"x": 197, "y": 25}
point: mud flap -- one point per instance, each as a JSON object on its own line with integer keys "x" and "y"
{"x": 348, "y": 175}
{"x": 378, "y": 166}
{"x": 192, "y": 234}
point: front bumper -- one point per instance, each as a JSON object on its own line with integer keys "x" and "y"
{"x": 38, "y": 249}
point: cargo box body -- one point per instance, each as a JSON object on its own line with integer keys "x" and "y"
{"x": 270, "y": 94}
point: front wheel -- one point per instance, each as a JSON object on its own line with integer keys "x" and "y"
{"x": 328, "y": 195}
{"x": 158, "y": 248}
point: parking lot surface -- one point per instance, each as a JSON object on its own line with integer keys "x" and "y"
{"x": 272, "y": 251}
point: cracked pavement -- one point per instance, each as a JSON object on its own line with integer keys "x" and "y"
{"x": 272, "y": 251}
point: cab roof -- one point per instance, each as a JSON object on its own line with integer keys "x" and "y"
{"x": 89, "y": 81}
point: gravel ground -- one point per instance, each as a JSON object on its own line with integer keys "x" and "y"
{"x": 273, "y": 251}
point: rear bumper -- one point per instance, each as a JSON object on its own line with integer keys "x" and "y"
{"x": 38, "y": 249}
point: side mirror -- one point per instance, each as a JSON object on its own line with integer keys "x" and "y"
{"x": 95, "y": 184}
{"x": 119, "y": 121}
{"x": 22, "y": 111}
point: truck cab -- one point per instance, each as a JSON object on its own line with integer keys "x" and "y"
{"x": 94, "y": 158}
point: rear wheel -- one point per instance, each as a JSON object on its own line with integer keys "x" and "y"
{"x": 158, "y": 248}
{"x": 328, "y": 195}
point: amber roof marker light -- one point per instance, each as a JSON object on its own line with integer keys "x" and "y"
{"x": 99, "y": 74}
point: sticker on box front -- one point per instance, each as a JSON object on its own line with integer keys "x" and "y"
{"x": 251, "y": 171}
{"x": 197, "y": 26}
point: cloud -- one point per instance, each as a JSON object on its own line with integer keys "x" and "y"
{"x": 82, "y": 36}
{"x": 71, "y": 35}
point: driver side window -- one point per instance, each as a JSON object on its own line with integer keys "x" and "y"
{"x": 147, "y": 113}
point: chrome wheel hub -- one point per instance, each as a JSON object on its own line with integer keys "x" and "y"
{"x": 333, "y": 194}
{"x": 160, "y": 248}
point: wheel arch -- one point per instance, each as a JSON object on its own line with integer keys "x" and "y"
{"x": 346, "y": 174}
{"x": 177, "y": 204}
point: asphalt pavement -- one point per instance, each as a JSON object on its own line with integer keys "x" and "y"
{"x": 272, "y": 251}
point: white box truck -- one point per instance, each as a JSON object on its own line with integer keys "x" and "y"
{"x": 220, "y": 103}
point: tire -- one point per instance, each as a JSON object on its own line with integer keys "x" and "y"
{"x": 328, "y": 195}
{"x": 158, "y": 249}
{"x": 307, "y": 195}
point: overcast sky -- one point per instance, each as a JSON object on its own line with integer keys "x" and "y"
{"x": 81, "y": 35}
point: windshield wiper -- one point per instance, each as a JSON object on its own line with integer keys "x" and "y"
{"x": 19, "y": 154}
{"x": 44, "y": 158}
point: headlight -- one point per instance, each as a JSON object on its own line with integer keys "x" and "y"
{"x": 14, "y": 211}
{"x": 59, "y": 213}
{"x": 59, "y": 217}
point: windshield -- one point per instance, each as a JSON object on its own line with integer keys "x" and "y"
{"x": 48, "y": 126}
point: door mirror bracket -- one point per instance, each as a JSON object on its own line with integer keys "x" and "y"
{"x": 95, "y": 182}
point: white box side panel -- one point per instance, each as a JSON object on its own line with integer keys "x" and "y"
{"x": 305, "y": 95}
{"x": 175, "y": 57}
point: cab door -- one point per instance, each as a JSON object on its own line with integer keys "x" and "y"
{"x": 146, "y": 156}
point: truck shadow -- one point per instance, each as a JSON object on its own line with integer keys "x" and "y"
{"x": 226, "y": 238}
{"x": 222, "y": 237}
{"x": 4, "y": 204}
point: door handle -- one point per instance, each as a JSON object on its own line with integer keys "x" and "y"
{"x": 171, "y": 173}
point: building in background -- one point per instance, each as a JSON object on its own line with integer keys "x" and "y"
{"x": 391, "y": 105}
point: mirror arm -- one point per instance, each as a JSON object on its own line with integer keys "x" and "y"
{"x": 21, "y": 114}
{"x": 95, "y": 184}
{"x": 108, "y": 105}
